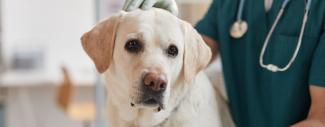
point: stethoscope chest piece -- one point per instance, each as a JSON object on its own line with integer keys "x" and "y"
{"x": 238, "y": 29}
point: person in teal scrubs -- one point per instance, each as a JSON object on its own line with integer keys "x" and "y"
{"x": 259, "y": 97}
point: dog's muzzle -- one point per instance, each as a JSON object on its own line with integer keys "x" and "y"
{"x": 153, "y": 87}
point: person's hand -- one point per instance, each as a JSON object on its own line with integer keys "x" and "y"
{"x": 310, "y": 123}
{"x": 169, "y": 5}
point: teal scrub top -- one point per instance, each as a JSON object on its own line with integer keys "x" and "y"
{"x": 258, "y": 97}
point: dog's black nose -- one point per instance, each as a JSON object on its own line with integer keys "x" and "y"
{"x": 155, "y": 82}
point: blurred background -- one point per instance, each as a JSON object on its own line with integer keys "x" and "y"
{"x": 38, "y": 38}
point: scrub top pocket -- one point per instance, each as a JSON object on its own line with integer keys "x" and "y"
{"x": 282, "y": 47}
{"x": 280, "y": 50}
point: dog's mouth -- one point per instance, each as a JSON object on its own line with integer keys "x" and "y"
{"x": 151, "y": 102}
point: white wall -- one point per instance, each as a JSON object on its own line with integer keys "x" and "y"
{"x": 55, "y": 26}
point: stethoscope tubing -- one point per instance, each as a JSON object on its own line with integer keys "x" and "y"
{"x": 240, "y": 10}
{"x": 273, "y": 67}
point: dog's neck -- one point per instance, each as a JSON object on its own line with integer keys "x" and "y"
{"x": 138, "y": 117}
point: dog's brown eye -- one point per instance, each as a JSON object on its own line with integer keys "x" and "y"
{"x": 133, "y": 46}
{"x": 172, "y": 51}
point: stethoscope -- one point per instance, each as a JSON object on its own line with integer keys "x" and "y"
{"x": 239, "y": 28}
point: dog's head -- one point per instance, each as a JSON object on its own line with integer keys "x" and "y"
{"x": 149, "y": 52}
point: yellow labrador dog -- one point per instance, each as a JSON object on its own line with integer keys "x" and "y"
{"x": 152, "y": 62}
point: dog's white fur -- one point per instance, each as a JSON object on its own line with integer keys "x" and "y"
{"x": 190, "y": 100}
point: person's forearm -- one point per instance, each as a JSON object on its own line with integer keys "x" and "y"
{"x": 213, "y": 46}
{"x": 316, "y": 116}
{"x": 317, "y": 109}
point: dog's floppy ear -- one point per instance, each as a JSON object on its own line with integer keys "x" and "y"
{"x": 197, "y": 54}
{"x": 99, "y": 42}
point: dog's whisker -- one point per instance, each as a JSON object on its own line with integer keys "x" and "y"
{"x": 132, "y": 104}
{"x": 159, "y": 109}
{"x": 161, "y": 106}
